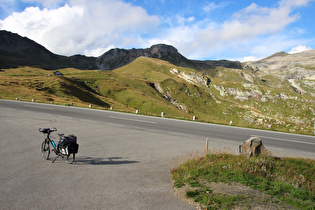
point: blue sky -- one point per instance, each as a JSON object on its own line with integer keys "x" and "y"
{"x": 199, "y": 29}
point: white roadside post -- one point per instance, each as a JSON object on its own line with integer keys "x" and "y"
{"x": 207, "y": 145}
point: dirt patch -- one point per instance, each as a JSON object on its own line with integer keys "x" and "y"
{"x": 254, "y": 198}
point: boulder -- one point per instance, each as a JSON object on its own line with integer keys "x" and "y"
{"x": 253, "y": 147}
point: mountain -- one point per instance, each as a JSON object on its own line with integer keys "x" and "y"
{"x": 20, "y": 51}
{"x": 286, "y": 66}
{"x": 116, "y": 58}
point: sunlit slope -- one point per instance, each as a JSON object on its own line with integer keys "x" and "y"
{"x": 222, "y": 95}
{"x": 238, "y": 97}
{"x": 28, "y": 83}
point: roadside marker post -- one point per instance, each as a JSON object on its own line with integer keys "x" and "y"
{"x": 207, "y": 145}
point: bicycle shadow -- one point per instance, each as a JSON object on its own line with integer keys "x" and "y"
{"x": 103, "y": 161}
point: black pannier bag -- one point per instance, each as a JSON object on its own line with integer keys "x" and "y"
{"x": 70, "y": 141}
{"x": 73, "y": 148}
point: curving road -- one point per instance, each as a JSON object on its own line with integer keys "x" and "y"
{"x": 124, "y": 160}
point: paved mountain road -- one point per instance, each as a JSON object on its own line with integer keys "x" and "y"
{"x": 124, "y": 160}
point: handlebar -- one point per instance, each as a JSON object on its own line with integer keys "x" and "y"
{"x": 47, "y": 130}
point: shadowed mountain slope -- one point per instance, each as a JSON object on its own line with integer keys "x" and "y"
{"x": 20, "y": 51}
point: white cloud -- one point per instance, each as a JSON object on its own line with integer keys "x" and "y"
{"x": 213, "y": 6}
{"x": 249, "y": 25}
{"x": 294, "y": 3}
{"x": 298, "y": 49}
{"x": 249, "y": 58}
{"x": 246, "y": 25}
{"x": 98, "y": 51}
{"x": 82, "y": 25}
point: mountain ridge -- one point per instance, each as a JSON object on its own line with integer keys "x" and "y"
{"x": 286, "y": 66}
{"x": 108, "y": 61}
{"x": 16, "y": 50}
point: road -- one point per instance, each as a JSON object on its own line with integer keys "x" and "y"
{"x": 124, "y": 160}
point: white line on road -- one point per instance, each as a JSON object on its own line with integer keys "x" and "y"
{"x": 278, "y": 139}
{"x": 122, "y": 118}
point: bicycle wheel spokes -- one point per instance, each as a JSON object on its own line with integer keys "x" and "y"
{"x": 45, "y": 149}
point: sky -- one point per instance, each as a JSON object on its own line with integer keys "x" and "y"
{"x": 199, "y": 29}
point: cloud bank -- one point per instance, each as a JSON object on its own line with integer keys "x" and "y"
{"x": 251, "y": 29}
{"x": 81, "y": 25}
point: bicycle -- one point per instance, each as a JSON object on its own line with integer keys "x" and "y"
{"x": 67, "y": 151}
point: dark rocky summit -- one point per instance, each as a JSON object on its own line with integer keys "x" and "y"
{"x": 116, "y": 58}
{"x": 20, "y": 51}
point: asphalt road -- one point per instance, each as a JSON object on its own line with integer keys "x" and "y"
{"x": 124, "y": 160}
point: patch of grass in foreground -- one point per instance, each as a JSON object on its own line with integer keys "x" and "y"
{"x": 290, "y": 180}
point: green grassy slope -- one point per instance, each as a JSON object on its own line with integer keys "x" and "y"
{"x": 153, "y": 86}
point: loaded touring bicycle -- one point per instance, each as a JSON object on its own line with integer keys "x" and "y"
{"x": 66, "y": 147}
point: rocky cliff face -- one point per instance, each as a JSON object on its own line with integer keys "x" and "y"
{"x": 287, "y": 66}
{"x": 298, "y": 69}
{"x": 116, "y": 58}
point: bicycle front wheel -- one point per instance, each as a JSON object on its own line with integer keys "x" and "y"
{"x": 45, "y": 149}
{"x": 70, "y": 158}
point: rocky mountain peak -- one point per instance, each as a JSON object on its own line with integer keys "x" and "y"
{"x": 117, "y": 57}
{"x": 278, "y": 54}
{"x": 162, "y": 48}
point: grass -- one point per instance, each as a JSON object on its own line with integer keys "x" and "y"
{"x": 288, "y": 180}
{"x": 132, "y": 87}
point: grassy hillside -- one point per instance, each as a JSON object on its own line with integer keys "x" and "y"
{"x": 225, "y": 96}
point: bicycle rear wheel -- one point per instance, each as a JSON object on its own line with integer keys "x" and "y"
{"x": 70, "y": 158}
{"x": 45, "y": 149}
